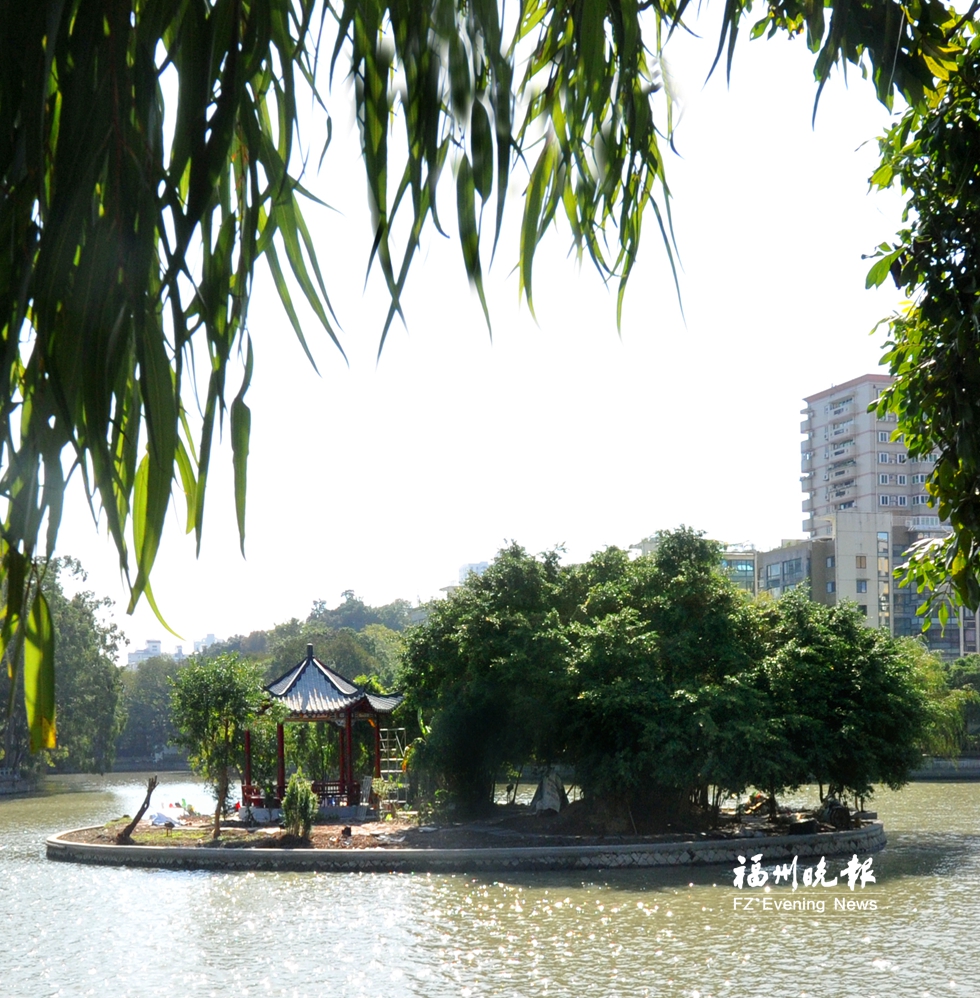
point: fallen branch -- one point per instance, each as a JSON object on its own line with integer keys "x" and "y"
{"x": 123, "y": 838}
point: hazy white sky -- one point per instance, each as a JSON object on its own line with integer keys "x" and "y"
{"x": 386, "y": 478}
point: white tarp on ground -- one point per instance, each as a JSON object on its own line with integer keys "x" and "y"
{"x": 161, "y": 818}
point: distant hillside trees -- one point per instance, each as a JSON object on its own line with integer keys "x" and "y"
{"x": 355, "y": 638}
{"x": 370, "y": 654}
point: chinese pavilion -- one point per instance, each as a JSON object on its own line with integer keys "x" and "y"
{"x": 311, "y": 691}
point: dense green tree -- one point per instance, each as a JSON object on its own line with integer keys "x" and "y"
{"x": 949, "y": 701}
{"x": 663, "y": 692}
{"x": 488, "y": 667}
{"x": 964, "y": 674}
{"x": 146, "y": 697}
{"x": 214, "y": 701}
{"x": 96, "y": 193}
{"x": 853, "y": 708}
{"x": 89, "y": 710}
{"x": 618, "y": 667}
{"x": 663, "y": 685}
{"x": 933, "y": 154}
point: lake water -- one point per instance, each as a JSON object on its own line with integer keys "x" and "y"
{"x": 79, "y": 930}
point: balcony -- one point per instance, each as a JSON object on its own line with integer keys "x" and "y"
{"x": 931, "y": 524}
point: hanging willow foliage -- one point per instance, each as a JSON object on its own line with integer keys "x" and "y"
{"x": 121, "y": 248}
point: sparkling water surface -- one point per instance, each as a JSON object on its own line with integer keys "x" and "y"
{"x": 78, "y": 930}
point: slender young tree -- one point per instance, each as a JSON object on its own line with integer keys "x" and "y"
{"x": 214, "y": 701}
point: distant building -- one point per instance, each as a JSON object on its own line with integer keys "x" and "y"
{"x": 152, "y": 650}
{"x": 204, "y": 644}
{"x": 472, "y": 568}
{"x": 866, "y": 506}
{"x": 738, "y": 561}
{"x": 849, "y": 461}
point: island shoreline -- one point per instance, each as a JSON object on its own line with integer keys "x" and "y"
{"x": 868, "y": 839}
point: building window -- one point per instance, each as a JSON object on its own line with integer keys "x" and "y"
{"x": 902, "y": 458}
{"x": 902, "y": 480}
{"x": 883, "y": 436}
{"x": 862, "y": 585}
{"x": 831, "y": 586}
{"x": 882, "y": 479}
{"x": 863, "y": 607}
{"x": 883, "y": 500}
{"x": 883, "y": 458}
{"x": 918, "y": 479}
{"x": 846, "y": 505}
{"x": 860, "y": 561}
{"x": 903, "y": 500}
{"x": 830, "y": 561}
{"x": 920, "y": 500}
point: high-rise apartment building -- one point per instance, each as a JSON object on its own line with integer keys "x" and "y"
{"x": 850, "y": 461}
{"x": 866, "y": 505}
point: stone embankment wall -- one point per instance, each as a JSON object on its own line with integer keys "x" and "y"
{"x": 861, "y": 841}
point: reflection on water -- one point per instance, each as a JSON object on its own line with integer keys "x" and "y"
{"x": 76, "y": 930}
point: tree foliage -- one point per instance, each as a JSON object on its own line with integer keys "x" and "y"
{"x": 299, "y": 806}
{"x": 852, "y": 708}
{"x": 133, "y": 248}
{"x": 489, "y": 666}
{"x": 89, "y": 709}
{"x": 661, "y": 684}
{"x": 933, "y": 155}
{"x": 146, "y": 692}
{"x": 214, "y": 701}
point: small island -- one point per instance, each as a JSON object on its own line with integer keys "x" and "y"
{"x": 684, "y": 712}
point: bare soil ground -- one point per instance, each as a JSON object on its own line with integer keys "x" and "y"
{"x": 509, "y": 826}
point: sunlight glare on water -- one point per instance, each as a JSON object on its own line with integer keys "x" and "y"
{"x": 77, "y": 930}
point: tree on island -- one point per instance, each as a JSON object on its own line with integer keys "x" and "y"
{"x": 131, "y": 245}
{"x": 661, "y": 683}
{"x": 214, "y": 701}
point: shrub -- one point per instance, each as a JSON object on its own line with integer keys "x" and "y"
{"x": 299, "y": 806}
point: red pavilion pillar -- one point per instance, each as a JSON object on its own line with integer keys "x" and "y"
{"x": 248, "y": 759}
{"x": 342, "y": 764}
{"x": 349, "y": 746}
{"x": 281, "y": 759}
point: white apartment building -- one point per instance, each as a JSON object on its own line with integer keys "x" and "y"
{"x": 152, "y": 650}
{"x": 866, "y": 504}
{"x": 850, "y": 461}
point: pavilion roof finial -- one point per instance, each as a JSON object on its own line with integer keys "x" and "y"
{"x": 309, "y": 651}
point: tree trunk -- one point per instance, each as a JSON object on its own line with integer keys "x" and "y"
{"x": 123, "y": 837}
{"x": 222, "y": 794}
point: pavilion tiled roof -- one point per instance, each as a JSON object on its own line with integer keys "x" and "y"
{"x": 313, "y": 690}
